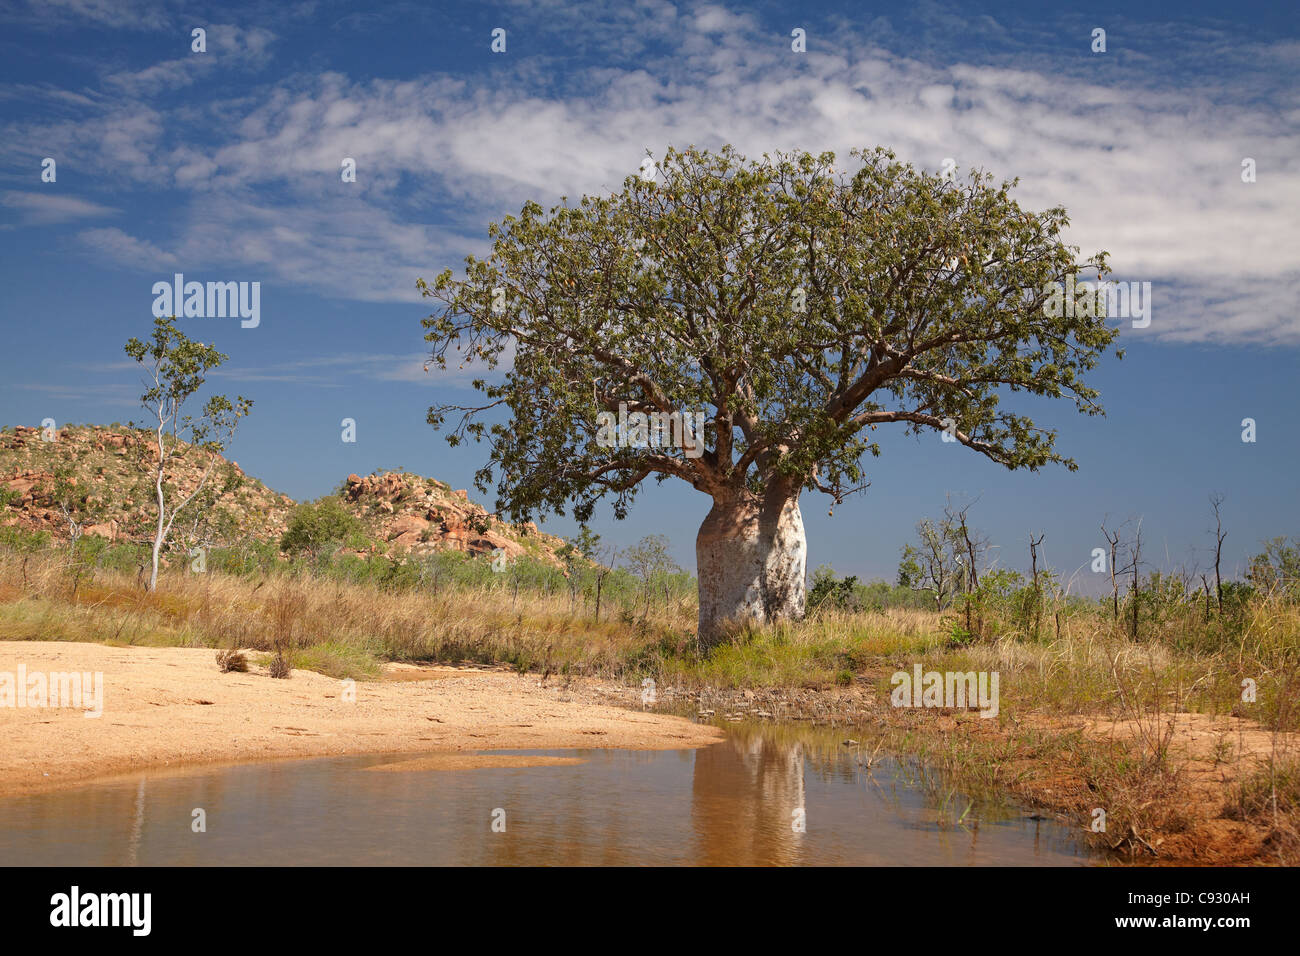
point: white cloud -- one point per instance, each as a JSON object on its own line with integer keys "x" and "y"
{"x": 108, "y": 393}
{"x": 40, "y": 209}
{"x": 330, "y": 371}
{"x": 116, "y": 141}
{"x": 1147, "y": 170}
{"x": 227, "y": 46}
{"x": 119, "y": 247}
{"x": 118, "y": 14}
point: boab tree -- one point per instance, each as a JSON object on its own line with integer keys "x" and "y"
{"x": 797, "y": 307}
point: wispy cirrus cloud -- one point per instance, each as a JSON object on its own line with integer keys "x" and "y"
{"x": 354, "y": 250}
{"x": 227, "y": 46}
{"x": 117, "y": 14}
{"x": 105, "y": 393}
{"x": 336, "y": 371}
{"x": 117, "y": 246}
{"x": 46, "y": 208}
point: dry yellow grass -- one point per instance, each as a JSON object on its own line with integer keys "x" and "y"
{"x": 340, "y": 628}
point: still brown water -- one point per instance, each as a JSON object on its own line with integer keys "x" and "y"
{"x": 738, "y": 802}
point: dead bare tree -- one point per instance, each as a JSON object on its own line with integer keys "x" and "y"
{"x": 1033, "y": 566}
{"x": 1112, "y": 539}
{"x": 933, "y": 566}
{"x": 975, "y": 545}
{"x": 1134, "y": 566}
{"x": 1219, "y": 535}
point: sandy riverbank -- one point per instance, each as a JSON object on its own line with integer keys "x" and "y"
{"x": 172, "y": 707}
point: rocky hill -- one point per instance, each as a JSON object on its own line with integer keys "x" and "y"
{"x": 98, "y": 477}
{"x": 413, "y": 513}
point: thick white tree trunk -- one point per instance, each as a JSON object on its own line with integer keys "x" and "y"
{"x": 751, "y": 557}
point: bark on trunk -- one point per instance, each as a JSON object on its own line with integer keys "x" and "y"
{"x": 162, "y": 503}
{"x": 751, "y": 556}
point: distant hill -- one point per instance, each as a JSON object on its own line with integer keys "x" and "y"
{"x": 99, "y": 474}
{"x": 413, "y": 513}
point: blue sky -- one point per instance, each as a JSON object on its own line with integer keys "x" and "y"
{"x": 225, "y": 166}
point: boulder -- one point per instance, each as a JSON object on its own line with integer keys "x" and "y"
{"x": 405, "y": 525}
{"x": 107, "y": 530}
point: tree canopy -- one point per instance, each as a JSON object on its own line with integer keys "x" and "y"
{"x": 802, "y": 307}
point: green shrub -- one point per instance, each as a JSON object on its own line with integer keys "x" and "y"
{"x": 315, "y": 526}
